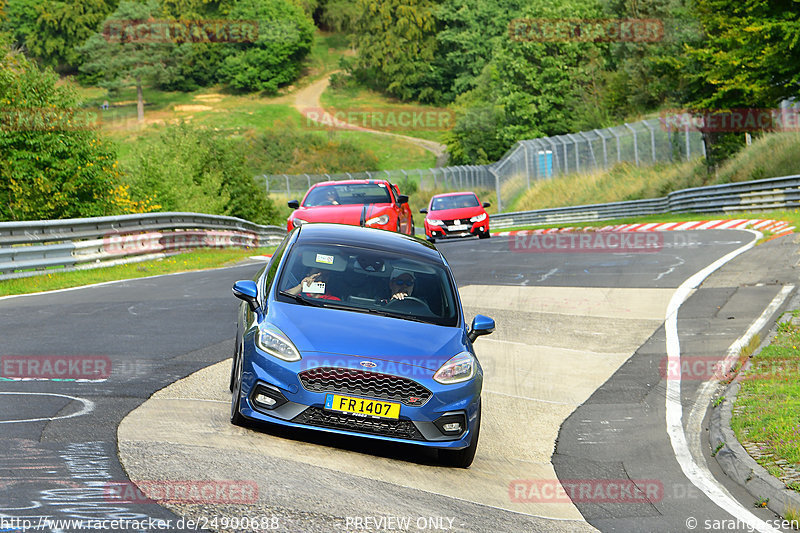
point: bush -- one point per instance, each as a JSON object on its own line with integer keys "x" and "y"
{"x": 197, "y": 170}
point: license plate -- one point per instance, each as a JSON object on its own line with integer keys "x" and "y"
{"x": 457, "y": 227}
{"x": 361, "y": 406}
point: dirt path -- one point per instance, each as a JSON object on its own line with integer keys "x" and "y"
{"x": 307, "y": 102}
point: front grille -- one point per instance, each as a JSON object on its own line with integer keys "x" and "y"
{"x": 362, "y": 383}
{"x": 401, "y": 429}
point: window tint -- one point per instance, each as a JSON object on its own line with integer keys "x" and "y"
{"x": 348, "y": 194}
{"x": 363, "y": 280}
{"x": 454, "y": 202}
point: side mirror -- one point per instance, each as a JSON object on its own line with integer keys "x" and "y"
{"x": 294, "y": 204}
{"x": 247, "y": 290}
{"x": 486, "y": 204}
{"x": 402, "y": 199}
{"x": 481, "y": 325}
{"x": 423, "y": 211}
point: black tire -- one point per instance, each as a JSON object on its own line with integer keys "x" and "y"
{"x": 431, "y": 240}
{"x": 233, "y": 367}
{"x": 484, "y": 235}
{"x": 236, "y": 416}
{"x": 462, "y": 458}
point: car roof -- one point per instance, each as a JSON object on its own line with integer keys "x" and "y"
{"x": 346, "y": 182}
{"x": 462, "y": 193}
{"x": 368, "y": 238}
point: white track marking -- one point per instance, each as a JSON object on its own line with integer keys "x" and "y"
{"x": 88, "y": 407}
{"x": 674, "y": 408}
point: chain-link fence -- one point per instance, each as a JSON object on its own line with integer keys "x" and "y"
{"x": 640, "y": 143}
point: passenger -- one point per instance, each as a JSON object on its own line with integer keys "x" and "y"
{"x": 315, "y": 285}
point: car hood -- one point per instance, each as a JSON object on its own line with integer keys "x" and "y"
{"x": 452, "y": 214}
{"x": 327, "y": 333}
{"x": 340, "y": 214}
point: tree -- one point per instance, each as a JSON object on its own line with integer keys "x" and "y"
{"x": 132, "y": 51}
{"x": 53, "y": 162}
{"x": 396, "y": 41}
{"x": 750, "y": 58}
{"x": 50, "y": 30}
{"x": 285, "y": 36}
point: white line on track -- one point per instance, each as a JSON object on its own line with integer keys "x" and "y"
{"x": 674, "y": 408}
{"x": 88, "y": 407}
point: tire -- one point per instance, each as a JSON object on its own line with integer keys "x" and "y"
{"x": 484, "y": 235}
{"x": 431, "y": 240}
{"x": 233, "y": 367}
{"x": 236, "y": 416}
{"x": 462, "y": 458}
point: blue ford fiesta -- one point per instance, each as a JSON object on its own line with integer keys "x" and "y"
{"x": 359, "y": 332}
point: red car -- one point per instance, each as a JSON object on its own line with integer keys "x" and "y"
{"x": 456, "y": 214}
{"x": 368, "y": 203}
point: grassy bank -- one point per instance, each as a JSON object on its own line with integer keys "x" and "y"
{"x": 195, "y": 260}
{"x": 765, "y": 416}
{"x": 770, "y": 156}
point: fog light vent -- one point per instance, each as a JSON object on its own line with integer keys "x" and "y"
{"x": 267, "y": 397}
{"x": 452, "y": 425}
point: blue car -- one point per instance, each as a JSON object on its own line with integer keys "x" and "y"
{"x": 359, "y": 331}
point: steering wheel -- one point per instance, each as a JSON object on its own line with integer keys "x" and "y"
{"x": 410, "y": 303}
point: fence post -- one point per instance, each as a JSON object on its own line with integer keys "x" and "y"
{"x": 527, "y": 166}
{"x": 605, "y": 149}
{"x": 497, "y": 190}
{"x": 688, "y": 144}
{"x": 288, "y": 191}
{"x": 591, "y": 148}
{"x": 577, "y": 155}
{"x": 652, "y": 139}
{"x": 635, "y": 143}
{"x": 266, "y": 183}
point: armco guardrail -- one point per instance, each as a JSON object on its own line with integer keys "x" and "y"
{"x": 758, "y": 195}
{"x": 30, "y": 248}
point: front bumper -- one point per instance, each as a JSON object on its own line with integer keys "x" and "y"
{"x": 302, "y": 408}
{"x": 445, "y": 232}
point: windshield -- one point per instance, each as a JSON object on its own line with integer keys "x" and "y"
{"x": 454, "y": 202}
{"x": 348, "y": 194}
{"x": 369, "y": 281}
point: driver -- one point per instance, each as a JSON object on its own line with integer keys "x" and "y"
{"x": 401, "y": 284}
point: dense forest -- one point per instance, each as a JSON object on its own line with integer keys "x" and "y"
{"x": 509, "y": 69}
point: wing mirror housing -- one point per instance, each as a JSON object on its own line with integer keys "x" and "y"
{"x": 247, "y": 290}
{"x": 294, "y": 204}
{"x": 423, "y": 211}
{"x": 402, "y": 199}
{"x": 486, "y": 204}
{"x": 481, "y": 325}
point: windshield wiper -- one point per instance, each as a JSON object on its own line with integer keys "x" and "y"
{"x": 301, "y": 299}
{"x": 397, "y": 315}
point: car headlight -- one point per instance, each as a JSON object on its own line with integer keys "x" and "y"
{"x": 298, "y": 222}
{"x": 458, "y": 369}
{"x": 478, "y": 218}
{"x": 434, "y": 222}
{"x": 381, "y": 220}
{"x": 276, "y": 343}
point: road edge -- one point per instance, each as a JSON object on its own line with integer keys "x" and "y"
{"x": 734, "y": 459}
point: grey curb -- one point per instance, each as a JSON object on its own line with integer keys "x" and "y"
{"x": 737, "y": 463}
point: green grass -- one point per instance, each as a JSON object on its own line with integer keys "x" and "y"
{"x": 362, "y": 100}
{"x": 767, "y": 409}
{"x": 195, "y": 260}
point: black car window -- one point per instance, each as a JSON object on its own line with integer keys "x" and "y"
{"x": 348, "y": 194}
{"x": 360, "y": 280}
